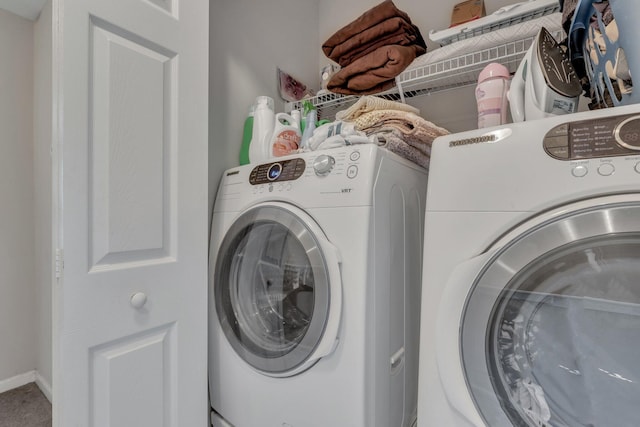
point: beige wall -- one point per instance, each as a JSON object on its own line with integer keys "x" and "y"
{"x": 248, "y": 40}
{"x": 17, "y": 293}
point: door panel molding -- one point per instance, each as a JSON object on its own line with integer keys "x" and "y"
{"x": 132, "y": 113}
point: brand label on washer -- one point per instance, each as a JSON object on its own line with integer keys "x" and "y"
{"x": 487, "y": 138}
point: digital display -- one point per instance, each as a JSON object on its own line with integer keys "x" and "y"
{"x": 274, "y": 171}
{"x": 605, "y": 137}
{"x": 628, "y": 133}
{"x": 285, "y": 170}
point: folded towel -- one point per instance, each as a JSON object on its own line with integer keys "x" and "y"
{"x": 374, "y": 72}
{"x": 372, "y": 17}
{"x": 406, "y": 133}
{"x": 397, "y": 145}
{"x": 392, "y": 31}
{"x": 410, "y": 125}
{"x": 367, "y": 103}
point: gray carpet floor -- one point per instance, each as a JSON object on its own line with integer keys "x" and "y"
{"x": 25, "y": 406}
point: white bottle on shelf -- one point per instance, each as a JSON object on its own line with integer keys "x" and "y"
{"x": 263, "y": 124}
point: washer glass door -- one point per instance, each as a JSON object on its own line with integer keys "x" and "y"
{"x": 551, "y": 330}
{"x": 271, "y": 288}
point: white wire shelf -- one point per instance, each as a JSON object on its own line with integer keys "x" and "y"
{"x": 504, "y": 17}
{"x": 442, "y": 75}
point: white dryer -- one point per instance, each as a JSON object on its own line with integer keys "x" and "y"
{"x": 531, "y": 282}
{"x": 315, "y": 276}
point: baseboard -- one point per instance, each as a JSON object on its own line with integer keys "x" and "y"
{"x": 17, "y": 381}
{"x": 44, "y": 386}
{"x": 26, "y": 378}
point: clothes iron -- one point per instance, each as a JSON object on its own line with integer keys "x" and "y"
{"x": 545, "y": 83}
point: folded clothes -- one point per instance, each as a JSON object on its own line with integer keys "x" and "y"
{"x": 340, "y": 132}
{"x": 405, "y": 133}
{"x": 397, "y": 145}
{"x": 373, "y": 50}
{"x": 569, "y": 8}
{"x": 368, "y": 103}
{"x": 372, "y": 17}
{"x": 374, "y": 72}
{"x": 341, "y": 141}
{"x": 389, "y": 32}
{"x": 410, "y": 125}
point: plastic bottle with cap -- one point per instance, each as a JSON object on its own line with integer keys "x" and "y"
{"x": 247, "y": 135}
{"x": 286, "y": 134}
{"x": 491, "y": 95}
{"x": 263, "y": 124}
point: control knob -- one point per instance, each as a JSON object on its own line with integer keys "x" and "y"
{"x": 323, "y": 164}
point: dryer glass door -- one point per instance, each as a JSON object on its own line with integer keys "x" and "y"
{"x": 271, "y": 288}
{"x": 551, "y": 329}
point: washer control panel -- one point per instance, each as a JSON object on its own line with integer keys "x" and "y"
{"x": 285, "y": 170}
{"x": 588, "y": 139}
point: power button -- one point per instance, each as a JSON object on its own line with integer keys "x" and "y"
{"x": 579, "y": 171}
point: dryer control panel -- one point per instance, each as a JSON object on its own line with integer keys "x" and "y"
{"x": 587, "y": 139}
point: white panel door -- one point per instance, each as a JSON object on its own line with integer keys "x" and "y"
{"x": 130, "y": 306}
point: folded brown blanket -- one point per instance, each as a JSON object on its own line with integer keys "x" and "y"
{"x": 370, "y": 18}
{"x": 391, "y": 31}
{"x": 374, "y": 72}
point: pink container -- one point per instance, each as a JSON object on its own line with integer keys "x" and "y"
{"x": 491, "y": 95}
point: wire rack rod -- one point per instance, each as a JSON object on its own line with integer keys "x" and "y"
{"x": 425, "y": 79}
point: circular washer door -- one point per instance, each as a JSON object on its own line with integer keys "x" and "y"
{"x": 551, "y": 329}
{"x": 277, "y": 289}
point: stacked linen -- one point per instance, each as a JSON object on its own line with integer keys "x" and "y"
{"x": 373, "y": 50}
{"x": 396, "y": 126}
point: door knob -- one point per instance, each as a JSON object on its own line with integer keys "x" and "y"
{"x": 138, "y": 300}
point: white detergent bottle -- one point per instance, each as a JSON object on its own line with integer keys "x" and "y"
{"x": 286, "y": 135}
{"x": 263, "y": 123}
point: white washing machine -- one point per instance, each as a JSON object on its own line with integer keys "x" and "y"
{"x": 531, "y": 282}
{"x": 315, "y": 276}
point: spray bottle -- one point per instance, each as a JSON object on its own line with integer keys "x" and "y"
{"x": 311, "y": 116}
